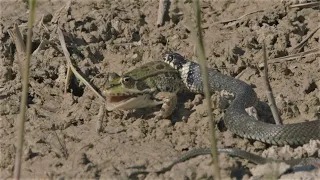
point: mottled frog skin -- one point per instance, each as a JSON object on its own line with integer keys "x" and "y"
{"x": 149, "y": 85}
{"x": 159, "y": 82}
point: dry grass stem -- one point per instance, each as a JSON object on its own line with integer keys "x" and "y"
{"x": 41, "y": 45}
{"x": 72, "y": 68}
{"x": 303, "y": 42}
{"x": 100, "y": 118}
{"x": 18, "y": 40}
{"x": 62, "y": 11}
{"x": 25, "y": 85}
{"x": 306, "y": 5}
{"x": 162, "y": 9}
{"x": 63, "y": 146}
{"x": 237, "y": 19}
{"x": 205, "y": 80}
{"x": 269, "y": 92}
{"x": 292, "y": 57}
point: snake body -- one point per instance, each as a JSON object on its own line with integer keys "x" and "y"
{"x": 238, "y": 121}
{"x": 304, "y": 164}
{"x": 236, "y": 118}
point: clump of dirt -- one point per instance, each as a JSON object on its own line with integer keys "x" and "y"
{"x": 61, "y": 139}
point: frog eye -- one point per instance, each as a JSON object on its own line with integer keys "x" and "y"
{"x": 125, "y": 79}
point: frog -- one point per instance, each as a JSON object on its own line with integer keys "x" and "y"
{"x": 152, "y": 84}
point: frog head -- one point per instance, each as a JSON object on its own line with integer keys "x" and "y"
{"x": 126, "y": 92}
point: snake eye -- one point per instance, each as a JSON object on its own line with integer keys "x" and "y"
{"x": 170, "y": 57}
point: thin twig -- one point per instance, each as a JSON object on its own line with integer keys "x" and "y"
{"x": 24, "y": 95}
{"x": 100, "y": 118}
{"x": 67, "y": 80}
{"x": 18, "y": 40}
{"x": 64, "y": 9}
{"x": 304, "y": 42}
{"x": 269, "y": 92}
{"x": 162, "y": 9}
{"x": 204, "y": 73}
{"x": 73, "y": 69}
{"x": 237, "y": 19}
{"x": 292, "y": 57}
{"x": 306, "y": 5}
{"x": 41, "y": 45}
{"x": 20, "y": 46}
{"x": 63, "y": 146}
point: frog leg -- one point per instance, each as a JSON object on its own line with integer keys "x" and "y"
{"x": 169, "y": 102}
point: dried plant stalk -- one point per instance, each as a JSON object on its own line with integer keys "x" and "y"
{"x": 24, "y": 65}
{"x": 163, "y": 5}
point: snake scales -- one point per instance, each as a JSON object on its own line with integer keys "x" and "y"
{"x": 238, "y": 121}
{"x": 304, "y": 164}
{"x": 236, "y": 118}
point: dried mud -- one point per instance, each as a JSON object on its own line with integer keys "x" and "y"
{"x": 61, "y": 139}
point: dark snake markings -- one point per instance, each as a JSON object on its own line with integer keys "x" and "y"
{"x": 236, "y": 118}
{"x": 239, "y": 122}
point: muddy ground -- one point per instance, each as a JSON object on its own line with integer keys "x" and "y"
{"x": 62, "y": 139}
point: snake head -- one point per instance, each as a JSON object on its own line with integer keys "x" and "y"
{"x": 175, "y": 60}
